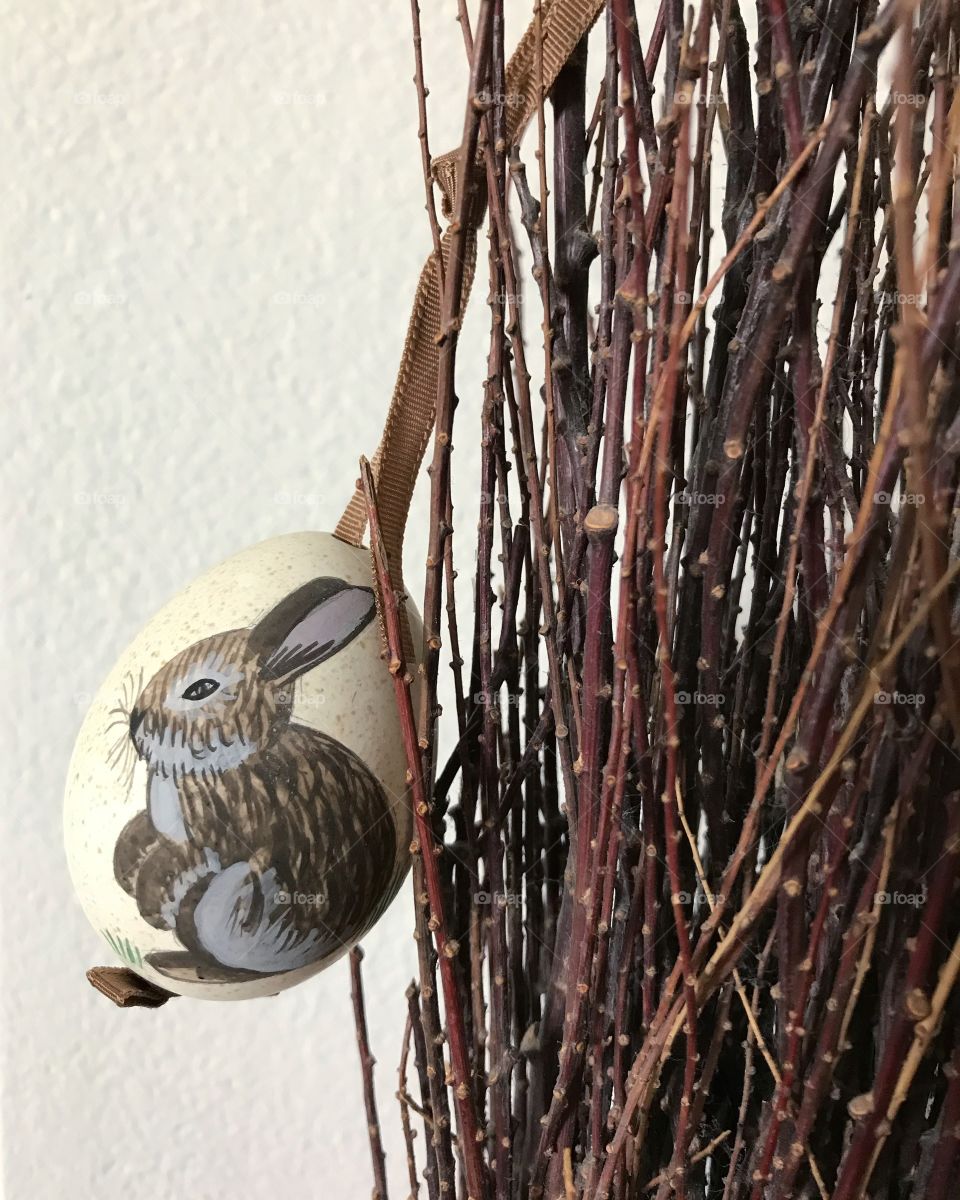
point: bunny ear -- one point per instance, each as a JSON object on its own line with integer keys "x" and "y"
{"x": 310, "y": 625}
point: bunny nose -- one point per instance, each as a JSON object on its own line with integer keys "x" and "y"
{"x": 136, "y": 716}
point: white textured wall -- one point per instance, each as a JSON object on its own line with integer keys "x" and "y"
{"x": 173, "y": 173}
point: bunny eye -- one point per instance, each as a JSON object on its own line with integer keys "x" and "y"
{"x": 200, "y": 689}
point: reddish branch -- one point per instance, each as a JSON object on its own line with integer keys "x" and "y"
{"x": 429, "y": 851}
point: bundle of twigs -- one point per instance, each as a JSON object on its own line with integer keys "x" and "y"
{"x": 685, "y": 889}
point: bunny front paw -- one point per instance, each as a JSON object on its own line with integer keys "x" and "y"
{"x": 165, "y": 878}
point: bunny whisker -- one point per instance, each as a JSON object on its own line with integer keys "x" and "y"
{"x": 122, "y": 759}
{"x": 132, "y": 687}
{"x": 128, "y": 693}
{"x": 117, "y": 753}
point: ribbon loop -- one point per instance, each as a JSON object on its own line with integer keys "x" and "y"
{"x": 410, "y": 418}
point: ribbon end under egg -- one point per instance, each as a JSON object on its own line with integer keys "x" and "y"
{"x": 127, "y": 989}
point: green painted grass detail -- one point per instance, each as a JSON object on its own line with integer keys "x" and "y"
{"x": 123, "y": 948}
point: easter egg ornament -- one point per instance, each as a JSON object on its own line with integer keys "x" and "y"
{"x": 249, "y": 822}
{"x": 237, "y": 810}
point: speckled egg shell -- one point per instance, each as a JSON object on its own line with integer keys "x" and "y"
{"x": 347, "y": 697}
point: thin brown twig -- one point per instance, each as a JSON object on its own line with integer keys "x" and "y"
{"x": 367, "y": 1062}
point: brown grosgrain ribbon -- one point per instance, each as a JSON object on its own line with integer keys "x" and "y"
{"x": 410, "y": 418}
{"x": 127, "y": 989}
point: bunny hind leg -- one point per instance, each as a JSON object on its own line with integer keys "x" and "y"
{"x": 245, "y": 920}
{"x": 168, "y": 876}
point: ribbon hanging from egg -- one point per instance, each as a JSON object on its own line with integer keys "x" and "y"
{"x": 228, "y": 833}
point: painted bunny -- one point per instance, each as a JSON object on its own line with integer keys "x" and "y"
{"x": 265, "y": 845}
